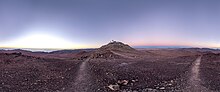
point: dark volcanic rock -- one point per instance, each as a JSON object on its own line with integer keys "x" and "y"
{"x": 21, "y": 73}
{"x": 210, "y": 71}
{"x": 106, "y": 55}
{"x": 113, "y": 67}
{"x": 83, "y": 55}
{"x": 115, "y": 50}
{"x": 117, "y": 46}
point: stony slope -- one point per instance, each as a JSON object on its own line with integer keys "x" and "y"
{"x": 115, "y": 50}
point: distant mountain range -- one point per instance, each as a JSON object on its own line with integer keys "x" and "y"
{"x": 92, "y": 49}
{"x": 162, "y": 47}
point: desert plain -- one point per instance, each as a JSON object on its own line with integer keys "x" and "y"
{"x": 114, "y": 67}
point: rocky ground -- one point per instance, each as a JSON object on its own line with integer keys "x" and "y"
{"x": 115, "y": 67}
{"x": 210, "y": 71}
{"x": 19, "y": 73}
{"x": 140, "y": 75}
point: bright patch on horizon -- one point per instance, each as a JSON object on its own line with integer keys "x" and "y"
{"x": 42, "y": 41}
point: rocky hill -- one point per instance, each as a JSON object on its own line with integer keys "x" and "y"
{"x": 115, "y": 50}
{"x": 117, "y": 46}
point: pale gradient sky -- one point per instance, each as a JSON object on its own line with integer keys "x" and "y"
{"x": 91, "y": 23}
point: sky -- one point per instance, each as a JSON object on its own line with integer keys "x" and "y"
{"x": 70, "y": 24}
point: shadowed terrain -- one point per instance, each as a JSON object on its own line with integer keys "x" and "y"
{"x": 210, "y": 74}
{"x": 115, "y": 67}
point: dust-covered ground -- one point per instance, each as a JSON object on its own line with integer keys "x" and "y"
{"x": 149, "y": 71}
{"x": 210, "y": 71}
{"x": 140, "y": 75}
{"x": 19, "y": 73}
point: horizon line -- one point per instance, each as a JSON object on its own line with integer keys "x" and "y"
{"x": 136, "y": 47}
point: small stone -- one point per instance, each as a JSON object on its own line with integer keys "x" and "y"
{"x": 162, "y": 88}
{"x": 114, "y": 87}
{"x": 123, "y": 82}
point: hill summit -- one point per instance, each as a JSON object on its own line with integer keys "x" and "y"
{"x": 117, "y": 46}
{"x": 114, "y": 50}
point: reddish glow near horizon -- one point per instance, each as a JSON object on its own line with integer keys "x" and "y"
{"x": 45, "y": 41}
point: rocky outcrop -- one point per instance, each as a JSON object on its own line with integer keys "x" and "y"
{"x": 114, "y": 50}
{"x": 117, "y": 46}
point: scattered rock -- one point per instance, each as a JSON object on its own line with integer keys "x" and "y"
{"x": 123, "y": 64}
{"x": 114, "y": 87}
{"x": 123, "y": 82}
{"x": 170, "y": 84}
{"x": 135, "y": 80}
{"x": 162, "y": 88}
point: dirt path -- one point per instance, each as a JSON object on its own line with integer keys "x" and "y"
{"x": 194, "y": 81}
{"x": 81, "y": 83}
